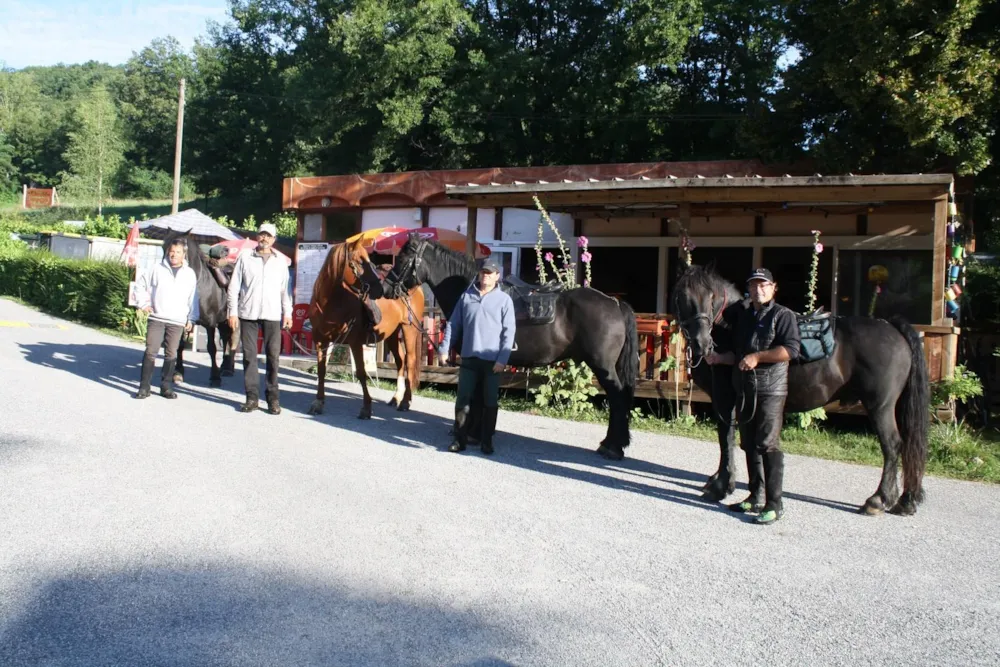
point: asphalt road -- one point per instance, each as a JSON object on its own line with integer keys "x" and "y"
{"x": 185, "y": 533}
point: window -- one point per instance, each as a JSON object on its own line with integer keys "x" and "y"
{"x": 529, "y": 264}
{"x": 906, "y": 290}
{"x": 733, "y": 264}
{"x": 790, "y": 267}
{"x": 628, "y": 274}
{"x": 341, "y": 225}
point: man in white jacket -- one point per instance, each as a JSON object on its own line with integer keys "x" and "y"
{"x": 258, "y": 296}
{"x": 168, "y": 294}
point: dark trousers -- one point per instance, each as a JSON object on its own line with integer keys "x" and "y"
{"x": 272, "y": 349}
{"x": 160, "y": 334}
{"x": 473, "y": 372}
{"x": 761, "y": 418}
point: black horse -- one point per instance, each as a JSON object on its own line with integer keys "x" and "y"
{"x": 589, "y": 327}
{"x": 211, "y": 314}
{"x": 877, "y": 362}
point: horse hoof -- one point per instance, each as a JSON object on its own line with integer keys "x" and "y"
{"x": 215, "y": 382}
{"x": 872, "y": 507}
{"x": 714, "y": 493}
{"x": 610, "y": 454}
{"x": 392, "y": 402}
{"x": 366, "y": 413}
{"x": 227, "y": 373}
{"x": 905, "y": 506}
{"x": 316, "y": 408}
{"x": 403, "y": 407}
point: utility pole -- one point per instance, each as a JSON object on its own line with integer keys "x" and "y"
{"x": 177, "y": 149}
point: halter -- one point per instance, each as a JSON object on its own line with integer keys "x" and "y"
{"x": 704, "y": 316}
{"x": 399, "y": 275}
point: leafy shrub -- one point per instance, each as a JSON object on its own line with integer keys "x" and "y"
{"x": 110, "y": 226}
{"x": 568, "y": 387}
{"x": 95, "y": 292}
{"x": 961, "y": 387}
{"x": 805, "y": 420}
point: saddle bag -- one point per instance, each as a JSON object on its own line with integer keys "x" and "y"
{"x": 817, "y": 333}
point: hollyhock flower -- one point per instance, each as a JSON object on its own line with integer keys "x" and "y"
{"x": 818, "y": 247}
{"x": 548, "y": 257}
{"x": 586, "y": 257}
{"x": 582, "y": 241}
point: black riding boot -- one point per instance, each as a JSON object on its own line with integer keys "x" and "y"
{"x": 774, "y": 473}
{"x": 754, "y": 502}
{"x": 489, "y": 428}
{"x": 461, "y": 437}
{"x": 474, "y": 423}
{"x": 168, "y": 376}
{"x": 251, "y": 405}
{"x": 145, "y": 377}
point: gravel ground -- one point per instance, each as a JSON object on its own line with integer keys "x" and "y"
{"x": 185, "y": 533}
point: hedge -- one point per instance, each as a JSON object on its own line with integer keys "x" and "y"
{"x": 86, "y": 290}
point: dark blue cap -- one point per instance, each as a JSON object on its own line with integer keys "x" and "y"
{"x": 761, "y": 274}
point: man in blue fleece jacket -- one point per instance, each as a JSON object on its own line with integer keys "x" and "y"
{"x": 483, "y": 320}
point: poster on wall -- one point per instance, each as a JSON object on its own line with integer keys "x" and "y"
{"x": 309, "y": 258}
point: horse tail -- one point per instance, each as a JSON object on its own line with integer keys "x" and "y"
{"x": 627, "y": 366}
{"x": 913, "y": 414}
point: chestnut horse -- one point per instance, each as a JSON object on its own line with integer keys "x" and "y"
{"x": 338, "y": 316}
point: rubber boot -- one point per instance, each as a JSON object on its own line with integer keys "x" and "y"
{"x": 754, "y": 502}
{"x": 166, "y": 381}
{"x": 489, "y": 428}
{"x": 774, "y": 473}
{"x": 461, "y": 438}
{"x": 145, "y": 377}
{"x": 251, "y": 405}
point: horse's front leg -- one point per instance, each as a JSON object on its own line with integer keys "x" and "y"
{"x": 214, "y": 378}
{"x": 723, "y": 482}
{"x": 409, "y": 378}
{"x": 321, "y": 356}
{"x": 358, "y": 350}
{"x": 392, "y": 344}
{"x": 230, "y": 344}
{"x": 179, "y": 368}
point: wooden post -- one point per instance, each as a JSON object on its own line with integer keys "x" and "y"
{"x": 425, "y": 216}
{"x": 940, "y": 260}
{"x": 949, "y": 355}
{"x": 662, "y": 271}
{"x": 470, "y": 241}
{"x": 177, "y": 149}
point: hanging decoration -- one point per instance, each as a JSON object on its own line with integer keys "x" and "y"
{"x": 955, "y": 276}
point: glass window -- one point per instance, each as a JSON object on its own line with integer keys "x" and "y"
{"x": 733, "y": 264}
{"x": 790, "y": 267}
{"x": 906, "y": 289}
{"x": 628, "y": 274}
{"x": 341, "y": 225}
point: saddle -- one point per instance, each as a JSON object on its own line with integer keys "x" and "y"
{"x": 817, "y": 333}
{"x": 533, "y": 304}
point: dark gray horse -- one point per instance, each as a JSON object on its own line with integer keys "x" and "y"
{"x": 212, "y": 313}
{"x": 877, "y": 362}
{"x": 589, "y": 326}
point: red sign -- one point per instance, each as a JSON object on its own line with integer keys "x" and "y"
{"x": 39, "y": 197}
{"x": 300, "y": 313}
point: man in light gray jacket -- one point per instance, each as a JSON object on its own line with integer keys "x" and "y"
{"x": 168, "y": 294}
{"x": 258, "y": 296}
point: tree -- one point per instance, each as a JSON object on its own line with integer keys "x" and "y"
{"x": 148, "y": 93}
{"x": 891, "y": 86}
{"x": 96, "y": 149}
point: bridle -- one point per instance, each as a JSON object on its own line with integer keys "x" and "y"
{"x": 399, "y": 275}
{"x": 685, "y": 324}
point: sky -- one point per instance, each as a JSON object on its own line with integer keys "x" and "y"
{"x": 109, "y": 31}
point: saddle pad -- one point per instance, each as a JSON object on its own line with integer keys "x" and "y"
{"x": 817, "y": 334}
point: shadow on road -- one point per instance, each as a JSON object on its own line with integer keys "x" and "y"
{"x": 118, "y": 367}
{"x": 221, "y": 616}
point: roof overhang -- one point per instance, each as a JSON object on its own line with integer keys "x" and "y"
{"x": 846, "y": 189}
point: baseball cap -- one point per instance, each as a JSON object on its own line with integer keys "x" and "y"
{"x": 267, "y": 228}
{"x": 761, "y": 274}
{"x": 489, "y": 266}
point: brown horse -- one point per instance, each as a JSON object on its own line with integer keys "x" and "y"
{"x": 338, "y": 315}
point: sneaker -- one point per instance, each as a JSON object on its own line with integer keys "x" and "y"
{"x": 746, "y": 507}
{"x": 768, "y": 516}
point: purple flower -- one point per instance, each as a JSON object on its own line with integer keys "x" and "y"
{"x": 582, "y": 241}
{"x": 815, "y": 232}
{"x": 818, "y": 248}
{"x": 586, "y": 283}
{"x": 548, "y": 257}
{"x": 586, "y": 257}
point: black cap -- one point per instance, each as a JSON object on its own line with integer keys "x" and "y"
{"x": 489, "y": 266}
{"x": 761, "y": 274}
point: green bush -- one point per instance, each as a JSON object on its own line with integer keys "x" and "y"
{"x": 568, "y": 387}
{"x": 981, "y": 300}
{"x": 95, "y": 292}
{"x": 961, "y": 387}
{"x": 154, "y": 184}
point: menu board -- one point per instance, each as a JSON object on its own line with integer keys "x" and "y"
{"x": 309, "y": 259}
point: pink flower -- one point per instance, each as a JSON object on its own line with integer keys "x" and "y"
{"x": 878, "y": 289}
{"x": 586, "y": 257}
{"x": 818, "y": 248}
{"x": 548, "y": 257}
{"x": 586, "y": 283}
{"x": 582, "y": 241}
{"x": 815, "y": 232}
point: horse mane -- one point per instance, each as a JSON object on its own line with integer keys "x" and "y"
{"x": 703, "y": 278}
{"x": 447, "y": 262}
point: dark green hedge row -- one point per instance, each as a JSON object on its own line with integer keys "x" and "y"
{"x": 95, "y": 292}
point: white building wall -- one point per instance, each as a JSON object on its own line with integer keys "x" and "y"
{"x": 376, "y": 218}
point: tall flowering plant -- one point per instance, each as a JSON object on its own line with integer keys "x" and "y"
{"x": 585, "y": 257}
{"x": 814, "y": 272}
{"x": 567, "y": 273}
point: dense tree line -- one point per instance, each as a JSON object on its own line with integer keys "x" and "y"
{"x": 338, "y": 86}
